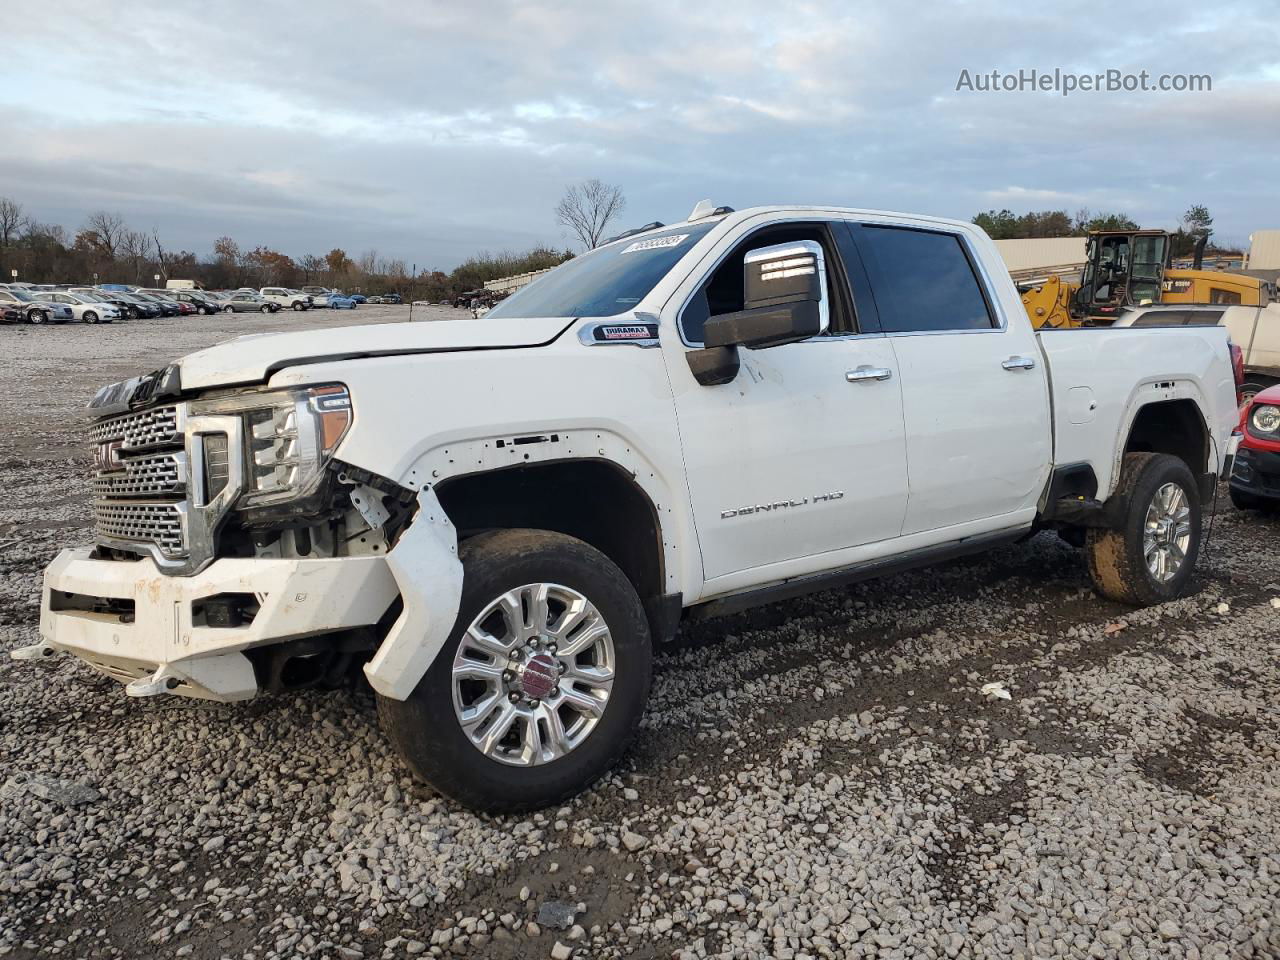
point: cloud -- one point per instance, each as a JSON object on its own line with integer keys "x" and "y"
{"x": 434, "y": 129}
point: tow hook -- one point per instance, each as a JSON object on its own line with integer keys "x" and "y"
{"x": 162, "y": 681}
{"x": 37, "y": 651}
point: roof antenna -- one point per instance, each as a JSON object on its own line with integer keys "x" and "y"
{"x": 703, "y": 208}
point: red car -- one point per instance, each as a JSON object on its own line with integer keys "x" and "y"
{"x": 1255, "y": 473}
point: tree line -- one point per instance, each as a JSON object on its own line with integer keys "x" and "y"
{"x": 105, "y": 249}
{"x": 1007, "y": 225}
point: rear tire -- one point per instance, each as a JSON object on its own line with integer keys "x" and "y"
{"x": 427, "y": 728}
{"x": 1151, "y": 557}
{"x": 228, "y": 309}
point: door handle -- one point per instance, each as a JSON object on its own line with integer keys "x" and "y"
{"x": 863, "y": 373}
{"x": 1018, "y": 363}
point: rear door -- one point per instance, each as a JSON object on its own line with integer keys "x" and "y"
{"x": 975, "y": 399}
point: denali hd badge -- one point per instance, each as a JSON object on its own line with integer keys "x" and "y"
{"x": 780, "y": 505}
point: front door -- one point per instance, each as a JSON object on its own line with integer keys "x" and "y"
{"x": 804, "y": 452}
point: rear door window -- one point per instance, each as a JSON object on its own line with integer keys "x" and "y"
{"x": 923, "y": 280}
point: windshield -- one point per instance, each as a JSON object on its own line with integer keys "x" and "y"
{"x": 604, "y": 282}
{"x": 23, "y": 296}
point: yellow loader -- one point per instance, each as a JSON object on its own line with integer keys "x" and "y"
{"x": 1133, "y": 268}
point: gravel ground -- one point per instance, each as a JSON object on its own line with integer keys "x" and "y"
{"x": 821, "y": 778}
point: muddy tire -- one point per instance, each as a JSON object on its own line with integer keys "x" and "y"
{"x": 1151, "y": 557}
{"x": 517, "y": 736}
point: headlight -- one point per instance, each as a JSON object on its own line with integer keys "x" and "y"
{"x": 1265, "y": 418}
{"x": 289, "y": 437}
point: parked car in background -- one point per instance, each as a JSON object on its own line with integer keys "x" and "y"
{"x": 168, "y": 308}
{"x": 358, "y": 297}
{"x": 34, "y": 307}
{"x": 248, "y": 303}
{"x": 320, "y": 295}
{"x": 1255, "y": 471}
{"x": 339, "y": 302}
{"x": 392, "y": 298}
{"x": 197, "y": 300}
{"x": 86, "y": 308}
{"x": 133, "y": 308}
{"x": 374, "y": 300}
{"x": 286, "y": 298}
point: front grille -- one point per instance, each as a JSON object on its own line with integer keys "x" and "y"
{"x": 158, "y": 427}
{"x": 148, "y": 475}
{"x": 142, "y": 522}
{"x": 140, "y": 486}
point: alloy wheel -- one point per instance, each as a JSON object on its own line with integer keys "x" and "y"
{"x": 532, "y": 674}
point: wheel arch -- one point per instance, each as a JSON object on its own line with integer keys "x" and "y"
{"x": 1174, "y": 426}
{"x": 593, "y": 499}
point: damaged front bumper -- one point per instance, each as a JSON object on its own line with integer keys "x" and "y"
{"x": 155, "y": 633}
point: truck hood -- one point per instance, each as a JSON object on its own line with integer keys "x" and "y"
{"x": 254, "y": 358}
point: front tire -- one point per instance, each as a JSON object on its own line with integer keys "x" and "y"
{"x": 541, "y": 682}
{"x": 1151, "y": 557}
{"x": 299, "y": 307}
{"x": 264, "y": 309}
{"x": 37, "y": 317}
{"x": 90, "y": 317}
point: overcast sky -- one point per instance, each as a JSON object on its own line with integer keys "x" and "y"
{"x": 431, "y": 130}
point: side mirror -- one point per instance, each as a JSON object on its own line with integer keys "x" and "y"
{"x": 783, "y": 301}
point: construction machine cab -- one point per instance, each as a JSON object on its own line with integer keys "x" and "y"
{"x": 1123, "y": 268}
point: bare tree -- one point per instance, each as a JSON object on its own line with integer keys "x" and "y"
{"x": 587, "y": 208}
{"x": 310, "y": 263}
{"x": 12, "y": 221}
{"x": 164, "y": 267}
{"x": 135, "y": 246}
{"x": 108, "y": 229}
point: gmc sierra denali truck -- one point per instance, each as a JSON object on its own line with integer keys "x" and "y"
{"x": 499, "y": 519}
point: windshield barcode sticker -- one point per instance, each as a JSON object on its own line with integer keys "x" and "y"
{"x": 657, "y": 243}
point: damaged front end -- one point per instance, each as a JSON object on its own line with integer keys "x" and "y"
{"x": 235, "y": 553}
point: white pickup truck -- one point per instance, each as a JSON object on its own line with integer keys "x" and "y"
{"x": 498, "y": 520}
{"x": 287, "y": 299}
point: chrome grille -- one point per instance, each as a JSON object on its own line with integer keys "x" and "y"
{"x": 140, "y": 486}
{"x": 142, "y": 522}
{"x": 143, "y": 430}
{"x": 150, "y": 475}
